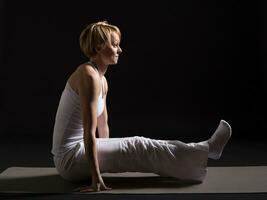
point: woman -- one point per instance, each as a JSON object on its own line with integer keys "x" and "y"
{"x": 82, "y": 112}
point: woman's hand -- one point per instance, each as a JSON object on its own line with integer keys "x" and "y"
{"x": 96, "y": 186}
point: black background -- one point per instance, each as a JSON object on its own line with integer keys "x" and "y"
{"x": 185, "y": 65}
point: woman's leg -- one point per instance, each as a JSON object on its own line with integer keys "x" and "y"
{"x": 139, "y": 154}
{"x": 171, "y": 158}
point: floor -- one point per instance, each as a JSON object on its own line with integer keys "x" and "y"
{"x": 36, "y": 152}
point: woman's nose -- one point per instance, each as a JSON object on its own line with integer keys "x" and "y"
{"x": 119, "y": 50}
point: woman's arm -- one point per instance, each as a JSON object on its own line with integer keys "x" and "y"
{"x": 102, "y": 120}
{"x": 89, "y": 89}
{"x": 102, "y": 124}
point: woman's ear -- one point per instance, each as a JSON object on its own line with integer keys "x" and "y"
{"x": 98, "y": 48}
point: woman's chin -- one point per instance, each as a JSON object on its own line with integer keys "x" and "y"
{"x": 115, "y": 62}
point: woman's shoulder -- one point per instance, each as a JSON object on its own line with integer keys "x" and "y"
{"x": 86, "y": 69}
{"x": 82, "y": 72}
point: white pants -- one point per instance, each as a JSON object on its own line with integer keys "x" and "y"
{"x": 169, "y": 158}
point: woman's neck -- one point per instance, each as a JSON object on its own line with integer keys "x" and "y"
{"x": 101, "y": 67}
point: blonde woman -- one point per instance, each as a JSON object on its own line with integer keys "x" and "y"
{"x": 82, "y": 148}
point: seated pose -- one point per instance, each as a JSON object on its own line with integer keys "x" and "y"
{"x": 82, "y": 113}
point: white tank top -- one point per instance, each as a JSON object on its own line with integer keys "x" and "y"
{"x": 68, "y": 128}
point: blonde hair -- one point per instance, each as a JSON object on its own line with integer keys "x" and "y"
{"x": 95, "y": 35}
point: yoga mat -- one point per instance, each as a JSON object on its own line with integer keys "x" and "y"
{"x": 251, "y": 179}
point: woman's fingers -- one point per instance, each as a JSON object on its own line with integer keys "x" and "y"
{"x": 106, "y": 188}
{"x": 84, "y": 189}
{"x": 87, "y": 189}
{"x": 96, "y": 188}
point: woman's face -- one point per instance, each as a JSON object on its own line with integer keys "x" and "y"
{"x": 111, "y": 50}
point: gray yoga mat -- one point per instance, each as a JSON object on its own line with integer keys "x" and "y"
{"x": 251, "y": 179}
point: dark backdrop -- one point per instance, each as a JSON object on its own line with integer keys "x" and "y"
{"x": 185, "y": 65}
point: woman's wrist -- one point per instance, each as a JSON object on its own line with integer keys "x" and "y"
{"x": 96, "y": 176}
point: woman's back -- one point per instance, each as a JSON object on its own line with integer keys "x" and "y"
{"x": 68, "y": 128}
